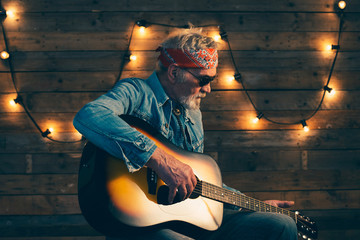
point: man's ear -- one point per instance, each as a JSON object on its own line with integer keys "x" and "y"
{"x": 172, "y": 73}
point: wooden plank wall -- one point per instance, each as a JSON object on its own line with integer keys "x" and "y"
{"x": 66, "y": 53}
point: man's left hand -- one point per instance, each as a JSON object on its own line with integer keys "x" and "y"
{"x": 278, "y": 203}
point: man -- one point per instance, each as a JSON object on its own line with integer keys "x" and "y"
{"x": 169, "y": 100}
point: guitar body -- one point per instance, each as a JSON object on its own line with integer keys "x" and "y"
{"x": 115, "y": 201}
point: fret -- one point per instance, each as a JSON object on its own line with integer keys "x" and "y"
{"x": 227, "y": 196}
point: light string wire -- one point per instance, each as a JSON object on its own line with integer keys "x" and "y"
{"x": 126, "y": 55}
{"x": 239, "y": 78}
{"x": 341, "y": 21}
{"x": 19, "y": 99}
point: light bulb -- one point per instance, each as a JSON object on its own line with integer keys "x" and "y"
{"x": 142, "y": 29}
{"x": 51, "y": 129}
{"x": 342, "y": 5}
{"x": 12, "y": 102}
{"x": 305, "y": 126}
{"x": 330, "y": 90}
{"x": 217, "y": 37}
{"x": 4, "y": 55}
{"x": 230, "y": 79}
{"x": 133, "y": 57}
{"x": 10, "y": 13}
{"x": 258, "y": 117}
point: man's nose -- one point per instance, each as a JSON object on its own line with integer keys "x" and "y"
{"x": 206, "y": 88}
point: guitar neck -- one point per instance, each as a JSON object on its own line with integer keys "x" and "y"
{"x": 224, "y": 195}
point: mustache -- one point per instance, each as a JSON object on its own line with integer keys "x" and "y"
{"x": 201, "y": 95}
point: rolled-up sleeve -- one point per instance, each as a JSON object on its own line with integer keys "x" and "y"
{"x": 100, "y": 123}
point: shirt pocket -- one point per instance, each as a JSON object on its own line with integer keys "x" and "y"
{"x": 196, "y": 138}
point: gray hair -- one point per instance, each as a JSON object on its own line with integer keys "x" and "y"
{"x": 186, "y": 39}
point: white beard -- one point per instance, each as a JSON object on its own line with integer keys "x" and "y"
{"x": 192, "y": 102}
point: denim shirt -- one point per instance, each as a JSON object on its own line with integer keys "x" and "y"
{"x": 100, "y": 123}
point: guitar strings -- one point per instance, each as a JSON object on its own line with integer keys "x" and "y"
{"x": 225, "y": 195}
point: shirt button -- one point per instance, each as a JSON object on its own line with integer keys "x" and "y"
{"x": 177, "y": 111}
{"x": 166, "y": 125}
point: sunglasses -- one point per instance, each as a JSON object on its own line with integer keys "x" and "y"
{"x": 203, "y": 80}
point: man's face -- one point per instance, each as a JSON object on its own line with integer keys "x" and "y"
{"x": 189, "y": 89}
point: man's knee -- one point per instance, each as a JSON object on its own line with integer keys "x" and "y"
{"x": 258, "y": 225}
{"x": 282, "y": 226}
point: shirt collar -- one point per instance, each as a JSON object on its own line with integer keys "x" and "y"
{"x": 188, "y": 115}
{"x": 161, "y": 96}
{"x": 158, "y": 89}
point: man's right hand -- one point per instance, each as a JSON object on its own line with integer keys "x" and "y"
{"x": 178, "y": 176}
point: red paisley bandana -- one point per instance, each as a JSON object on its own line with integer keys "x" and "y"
{"x": 202, "y": 58}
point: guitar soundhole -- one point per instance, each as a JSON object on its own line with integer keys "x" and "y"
{"x": 163, "y": 193}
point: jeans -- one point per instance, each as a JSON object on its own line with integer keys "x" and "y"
{"x": 237, "y": 225}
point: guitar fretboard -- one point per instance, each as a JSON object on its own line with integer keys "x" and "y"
{"x": 224, "y": 195}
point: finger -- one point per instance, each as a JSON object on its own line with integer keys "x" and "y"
{"x": 189, "y": 189}
{"x": 285, "y": 204}
{"x": 182, "y": 192}
{"x": 194, "y": 180}
{"x": 288, "y": 203}
{"x": 172, "y": 193}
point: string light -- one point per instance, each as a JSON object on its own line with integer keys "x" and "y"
{"x": 10, "y": 13}
{"x": 230, "y": 79}
{"x": 305, "y": 126}
{"x": 142, "y": 29}
{"x": 6, "y": 13}
{"x": 2, "y": 13}
{"x": 46, "y": 133}
{"x": 142, "y": 24}
{"x": 342, "y": 5}
{"x": 12, "y": 102}
{"x": 257, "y": 118}
{"x": 15, "y": 101}
{"x": 4, "y": 55}
{"x": 217, "y": 37}
{"x": 132, "y": 57}
{"x": 330, "y": 90}
{"x": 237, "y": 77}
{"x": 223, "y": 34}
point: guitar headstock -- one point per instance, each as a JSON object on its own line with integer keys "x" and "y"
{"x": 307, "y": 228}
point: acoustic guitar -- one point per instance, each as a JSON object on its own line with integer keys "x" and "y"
{"x": 116, "y": 202}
